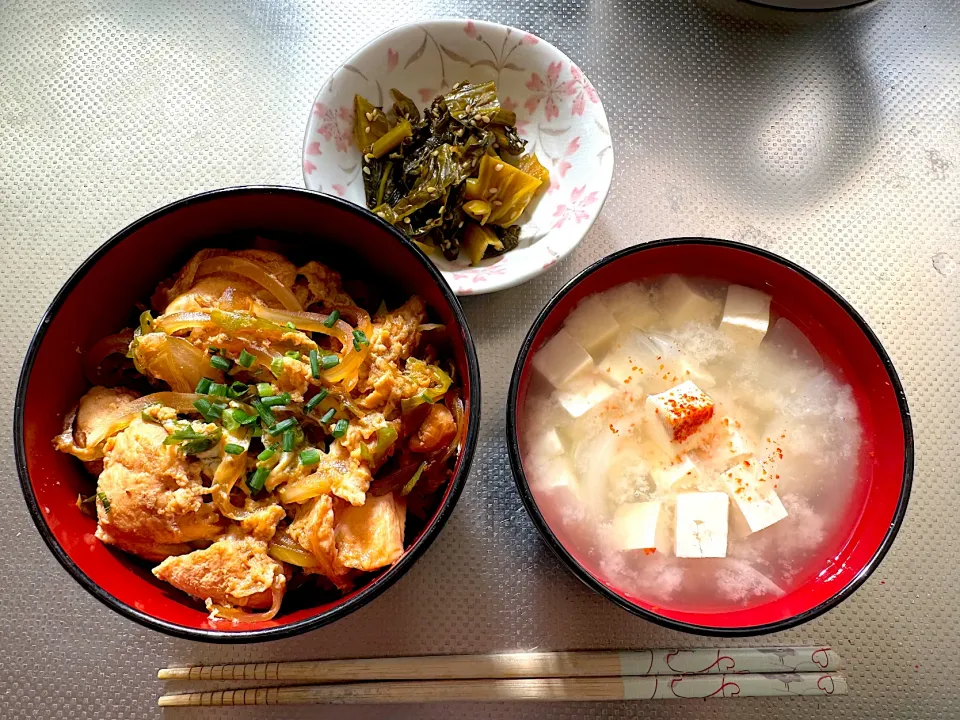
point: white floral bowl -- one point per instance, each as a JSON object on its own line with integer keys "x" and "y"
{"x": 558, "y": 112}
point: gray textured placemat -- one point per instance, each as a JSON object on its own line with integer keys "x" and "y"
{"x": 831, "y": 139}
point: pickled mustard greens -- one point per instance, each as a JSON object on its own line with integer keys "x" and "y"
{"x": 454, "y": 177}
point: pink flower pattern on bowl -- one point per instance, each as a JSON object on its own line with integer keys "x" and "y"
{"x": 559, "y": 113}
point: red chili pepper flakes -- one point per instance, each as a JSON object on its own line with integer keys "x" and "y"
{"x": 746, "y": 463}
{"x": 661, "y": 367}
{"x": 649, "y": 551}
{"x": 614, "y": 430}
{"x": 634, "y": 368}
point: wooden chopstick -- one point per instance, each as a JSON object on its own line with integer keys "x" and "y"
{"x": 529, "y": 689}
{"x": 604, "y": 663}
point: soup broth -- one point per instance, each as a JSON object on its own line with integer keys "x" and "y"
{"x": 688, "y": 445}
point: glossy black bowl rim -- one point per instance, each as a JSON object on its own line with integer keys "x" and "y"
{"x": 377, "y": 586}
{"x": 581, "y": 573}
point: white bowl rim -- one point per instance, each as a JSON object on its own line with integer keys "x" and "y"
{"x": 602, "y": 184}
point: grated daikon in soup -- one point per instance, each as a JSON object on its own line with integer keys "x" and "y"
{"x": 689, "y": 446}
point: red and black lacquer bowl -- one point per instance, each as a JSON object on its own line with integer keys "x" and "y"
{"x": 100, "y": 298}
{"x": 846, "y": 343}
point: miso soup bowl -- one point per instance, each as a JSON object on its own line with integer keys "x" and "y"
{"x": 99, "y": 299}
{"x": 885, "y": 467}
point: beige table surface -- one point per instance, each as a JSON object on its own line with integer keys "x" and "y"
{"x": 833, "y": 139}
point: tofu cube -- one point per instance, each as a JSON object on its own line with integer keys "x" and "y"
{"x": 746, "y": 315}
{"x": 726, "y": 443}
{"x": 622, "y": 367}
{"x": 548, "y": 444}
{"x": 635, "y": 526}
{"x": 681, "y": 303}
{"x": 554, "y": 474}
{"x": 702, "y": 525}
{"x": 754, "y": 496}
{"x": 583, "y": 394}
{"x": 561, "y": 359}
{"x": 592, "y": 325}
{"x": 675, "y": 416}
{"x": 684, "y": 472}
{"x": 632, "y": 306}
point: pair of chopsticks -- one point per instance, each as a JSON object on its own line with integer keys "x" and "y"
{"x": 554, "y": 676}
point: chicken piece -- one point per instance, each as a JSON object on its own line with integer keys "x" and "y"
{"x": 370, "y": 536}
{"x": 234, "y": 571}
{"x": 436, "y": 431}
{"x": 319, "y": 285}
{"x": 153, "y": 496}
{"x": 185, "y": 291}
{"x": 262, "y": 522}
{"x": 313, "y": 530}
{"x": 98, "y": 409}
{"x": 394, "y": 338}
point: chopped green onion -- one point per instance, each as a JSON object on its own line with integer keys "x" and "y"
{"x": 413, "y": 481}
{"x": 332, "y": 319}
{"x": 257, "y": 431}
{"x": 276, "y": 366}
{"x": 292, "y": 354}
{"x": 104, "y": 500}
{"x": 246, "y": 359}
{"x": 230, "y": 422}
{"x": 290, "y": 325}
{"x": 204, "y": 407}
{"x": 234, "y": 449}
{"x": 146, "y": 322}
{"x": 328, "y": 416}
{"x": 310, "y": 456}
{"x": 255, "y": 482}
{"x": 264, "y": 413}
{"x": 241, "y": 417}
{"x": 264, "y": 389}
{"x": 289, "y": 441}
{"x": 315, "y": 363}
{"x": 329, "y": 361}
{"x": 281, "y": 426}
{"x": 236, "y": 390}
{"x": 218, "y": 390}
{"x": 220, "y": 363}
{"x": 359, "y": 338}
{"x": 203, "y": 387}
{"x": 267, "y": 454}
{"x": 193, "y": 441}
{"x": 317, "y": 399}
{"x": 274, "y": 400}
{"x": 340, "y": 429}
{"x": 217, "y": 409}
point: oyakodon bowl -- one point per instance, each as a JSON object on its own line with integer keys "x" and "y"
{"x": 843, "y": 339}
{"x": 98, "y": 300}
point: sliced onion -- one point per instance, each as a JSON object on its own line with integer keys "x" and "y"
{"x": 299, "y": 491}
{"x": 311, "y": 322}
{"x": 426, "y": 327}
{"x": 240, "y": 615}
{"x": 117, "y": 344}
{"x": 251, "y": 271}
{"x": 175, "y": 322}
{"x": 348, "y": 370}
{"x": 285, "y": 549}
